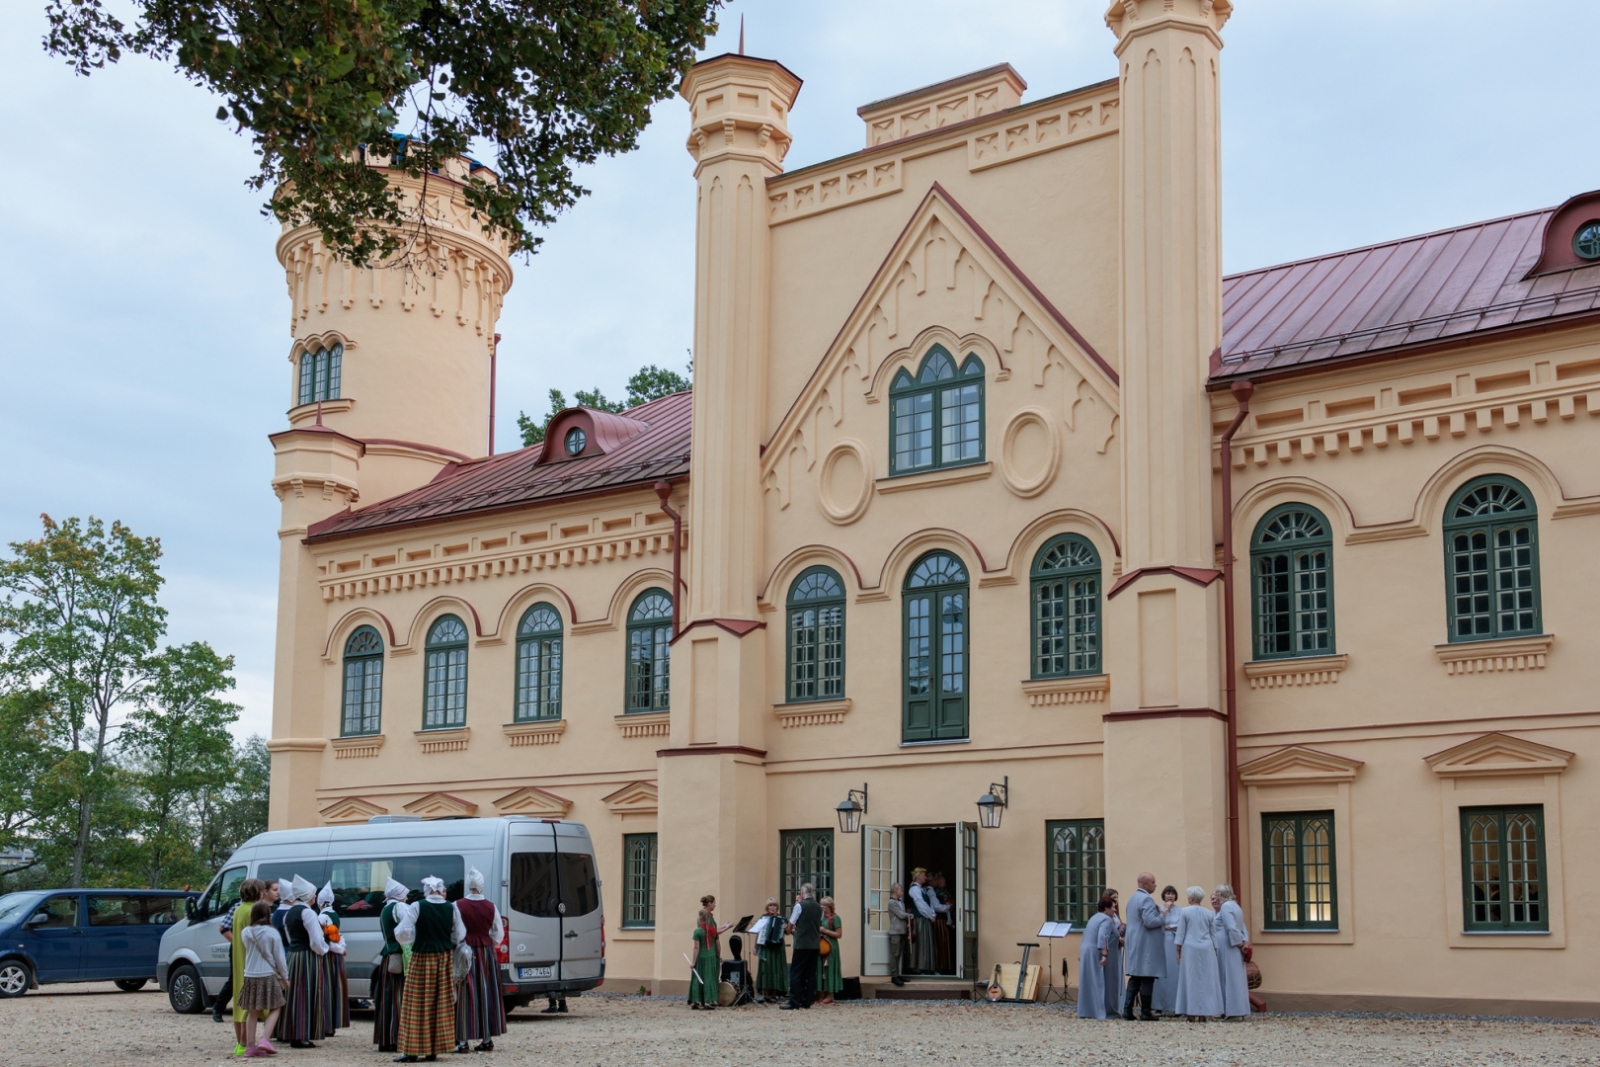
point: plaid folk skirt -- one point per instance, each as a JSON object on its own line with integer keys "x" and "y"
{"x": 386, "y": 989}
{"x": 304, "y": 1012}
{"x": 480, "y": 1012}
{"x": 428, "y": 1006}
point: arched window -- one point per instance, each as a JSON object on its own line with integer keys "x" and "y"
{"x": 538, "y": 664}
{"x": 1066, "y": 608}
{"x": 937, "y": 417}
{"x": 444, "y": 686}
{"x": 650, "y": 651}
{"x": 320, "y": 372}
{"x": 1291, "y": 568}
{"x": 1491, "y": 545}
{"x": 816, "y": 636}
{"x": 363, "y": 683}
{"x": 936, "y": 650}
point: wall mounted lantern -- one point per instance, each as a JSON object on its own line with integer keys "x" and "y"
{"x": 851, "y": 809}
{"x": 993, "y": 802}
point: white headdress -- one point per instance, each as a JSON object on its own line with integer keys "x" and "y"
{"x": 433, "y": 887}
{"x": 303, "y": 890}
{"x": 285, "y": 891}
{"x": 325, "y": 896}
{"x": 393, "y": 890}
{"x": 474, "y": 880}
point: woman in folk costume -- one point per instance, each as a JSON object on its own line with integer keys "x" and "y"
{"x": 1232, "y": 940}
{"x": 304, "y": 1018}
{"x": 480, "y": 1013}
{"x": 389, "y": 978}
{"x": 830, "y": 974}
{"x": 772, "y": 975}
{"x": 1199, "y": 977}
{"x": 707, "y": 976}
{"x": 285, "y": 902}
{"x": 433, "y": 929}
{"x": 336, "y": 1009}
{"x": 1092, "y": 957}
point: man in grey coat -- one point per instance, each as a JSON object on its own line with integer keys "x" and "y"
{"x": 897, "y": 932}
{"x": 1146, "y": 948}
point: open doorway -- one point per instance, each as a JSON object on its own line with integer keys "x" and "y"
{"x": 933, "y": 849}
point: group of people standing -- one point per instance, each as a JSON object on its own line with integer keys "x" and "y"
{"x": 1177, "y": 960}
{"x": 815, "y": 974}
{"x": 436, "y": 986}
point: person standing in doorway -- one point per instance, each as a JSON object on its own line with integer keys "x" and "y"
{"x": 830, "y": 973}
{"x": 1232, "y": 941}
{"x": 897, "y": 933}
{"x": 927, "y": 908}
{"x": 1146, "y": 950}
{"x": 772, "y": 974}
{"x": 807, "y": 931}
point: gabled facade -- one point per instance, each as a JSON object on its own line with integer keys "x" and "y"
{"x": 990, "y": 483}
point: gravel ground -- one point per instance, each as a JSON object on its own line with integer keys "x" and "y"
{"x": 94, "y": 1025}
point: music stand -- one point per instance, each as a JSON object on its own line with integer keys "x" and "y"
{"x": 1050, "y": 932}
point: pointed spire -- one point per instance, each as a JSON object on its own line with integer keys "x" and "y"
{"x": 319, "y": 413}
{"x": 741, "y": 33}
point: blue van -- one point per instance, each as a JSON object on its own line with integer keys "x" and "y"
{"x": 84, "y": 935}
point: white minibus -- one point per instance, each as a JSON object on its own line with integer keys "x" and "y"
{"x": 539, "y": 872}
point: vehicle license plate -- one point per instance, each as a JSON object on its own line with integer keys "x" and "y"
{"x": 526, "y": 973}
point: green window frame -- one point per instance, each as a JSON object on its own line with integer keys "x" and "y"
{"x": 362, "y": 699}
{"x": 1301, "y": 891}
{"x": 1075, "y": 868}
{"x": 937, "y": 645}
{"x": 1503, "y": 870}
{"x": 936, "y": 419}
{"x": 444, "y": 682}
{"x": 805, "y": 856}
{"x": 1066, "y": 608}
{"x": 539, "y": 647}
{"x": 1291, "y": 584}
{"x": 649, "y": 671}
{"x": 639, "y": 866}
{"x": 320, "y": 373}
{"x": 1491, "y": 553}
{"x": 815, "y": 661}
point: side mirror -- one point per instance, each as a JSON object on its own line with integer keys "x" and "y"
{"x": 189, "y": 907}
{"x": 39, "y": 918}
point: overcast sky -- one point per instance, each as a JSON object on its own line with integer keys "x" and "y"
{"x": 146, "y": 323}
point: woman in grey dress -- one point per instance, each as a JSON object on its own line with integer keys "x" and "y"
{"x": 1113, "y": 937}
{"x": 1091, "y": 964}
{"x": 1165, "y": 995}
{"x": 1232, "y": 937}
{"x": 1199, "y": 977}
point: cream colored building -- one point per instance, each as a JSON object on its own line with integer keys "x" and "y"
{"x": 973, "y": 489}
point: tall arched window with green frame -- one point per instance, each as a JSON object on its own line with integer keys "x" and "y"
{"x": 320, "y": 371}
{"x": 649, "y": 652}
{"x": 538, "y": 665}
{"x": 816, "y": 636}
{"x": 444, "y": 678}
{"x": 1291, "y": 583}
{"x": 1066, "y": 608}
{"x": 363, "y": 683}
{"x": 1491, "y": 546}
{"x": 936, "y": 418}
{"x": 936, "y": 650}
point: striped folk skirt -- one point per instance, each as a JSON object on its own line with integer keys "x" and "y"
{"x": 304, "y": 1011}
{"x": 480, "y": 1011}
{"x": 386, "y": 989}
{"x": 772, "y": 974}
{"x": 336, "y": 1009}
{"x": 428, "y": 1006}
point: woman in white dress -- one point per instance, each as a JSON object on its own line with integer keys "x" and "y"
{"x": 1165, "y": 995}
{"x": 1091, "y": 963}
{"x": 1232, "y": 937}
{"x": 1199, "y": 977}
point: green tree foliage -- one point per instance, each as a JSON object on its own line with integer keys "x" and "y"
{"x": 648, "y": 383}
{"x": 547, "y": 84}
{"x": 28, "y": 759}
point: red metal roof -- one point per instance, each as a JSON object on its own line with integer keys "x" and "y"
{"x": 1387, "y": 298}
{"x": 516, "y": 479}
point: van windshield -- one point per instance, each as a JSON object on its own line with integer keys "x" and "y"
{"x": 358, "y": 883}
{"x": 540, "y": 881}
{"x": 15, "y": 906}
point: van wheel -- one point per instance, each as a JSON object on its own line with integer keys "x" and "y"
{"x": 183, "y": 991}
{"x": 14, "y": 978}
{"x": 131, "y": 985}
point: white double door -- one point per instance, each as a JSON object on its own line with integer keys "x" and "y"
{"x": 880, "y": 868}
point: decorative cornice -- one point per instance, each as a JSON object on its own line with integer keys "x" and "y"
{"x": 297, "y": 744}
{"x": 1507, "y": 654}
{"x": 635, "y": 798}
{"x": 437, "y": 804}
{"x": 351, "y": 809}
{"x": 712, "y": 750}
{"x": 645, "y": 724}
{"x": 1297, "y": 670}
{"x": 1498, "y": 755}
{"x": 1163, "y": 713}
{"x": 736, "y": 627}
{"x": 444, "y": 740}
{"x": 356, "y": 747}
{"x": 531, "y": 800}
{"x": 537, "y": 732}
{"x": 1298, "y": 765}
{"x": 308, "y": 412}
{"x": 1201, "y": 576}
{"x": 1084, "y": 689}
{"x": 812, "y": 712}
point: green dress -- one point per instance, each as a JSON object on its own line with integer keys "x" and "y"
{"x": 830, "y": 977}
{"x": 241, "y": 920}
{"x": 703, "y": 984}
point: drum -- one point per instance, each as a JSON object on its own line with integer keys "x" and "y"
{"x": 727, "y": 993}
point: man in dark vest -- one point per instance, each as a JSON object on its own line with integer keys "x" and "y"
{"x": 807, "y": 927}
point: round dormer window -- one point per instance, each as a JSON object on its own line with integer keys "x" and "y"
{"x": 1586, "y": 242}
{"x": 575, "y": 440}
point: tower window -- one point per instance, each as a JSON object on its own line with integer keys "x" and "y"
{"x": 575, "y": 441}
{"x": 1586, "y": 242}
{"x": 319, "y": 373}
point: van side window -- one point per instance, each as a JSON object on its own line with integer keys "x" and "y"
{"x": 63, "y": 912}
{"x": 223, "y": 894}
{"x": 541, "y": 881}
{"x": 358, "y": 883}
{"x": 134, "y": 910}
